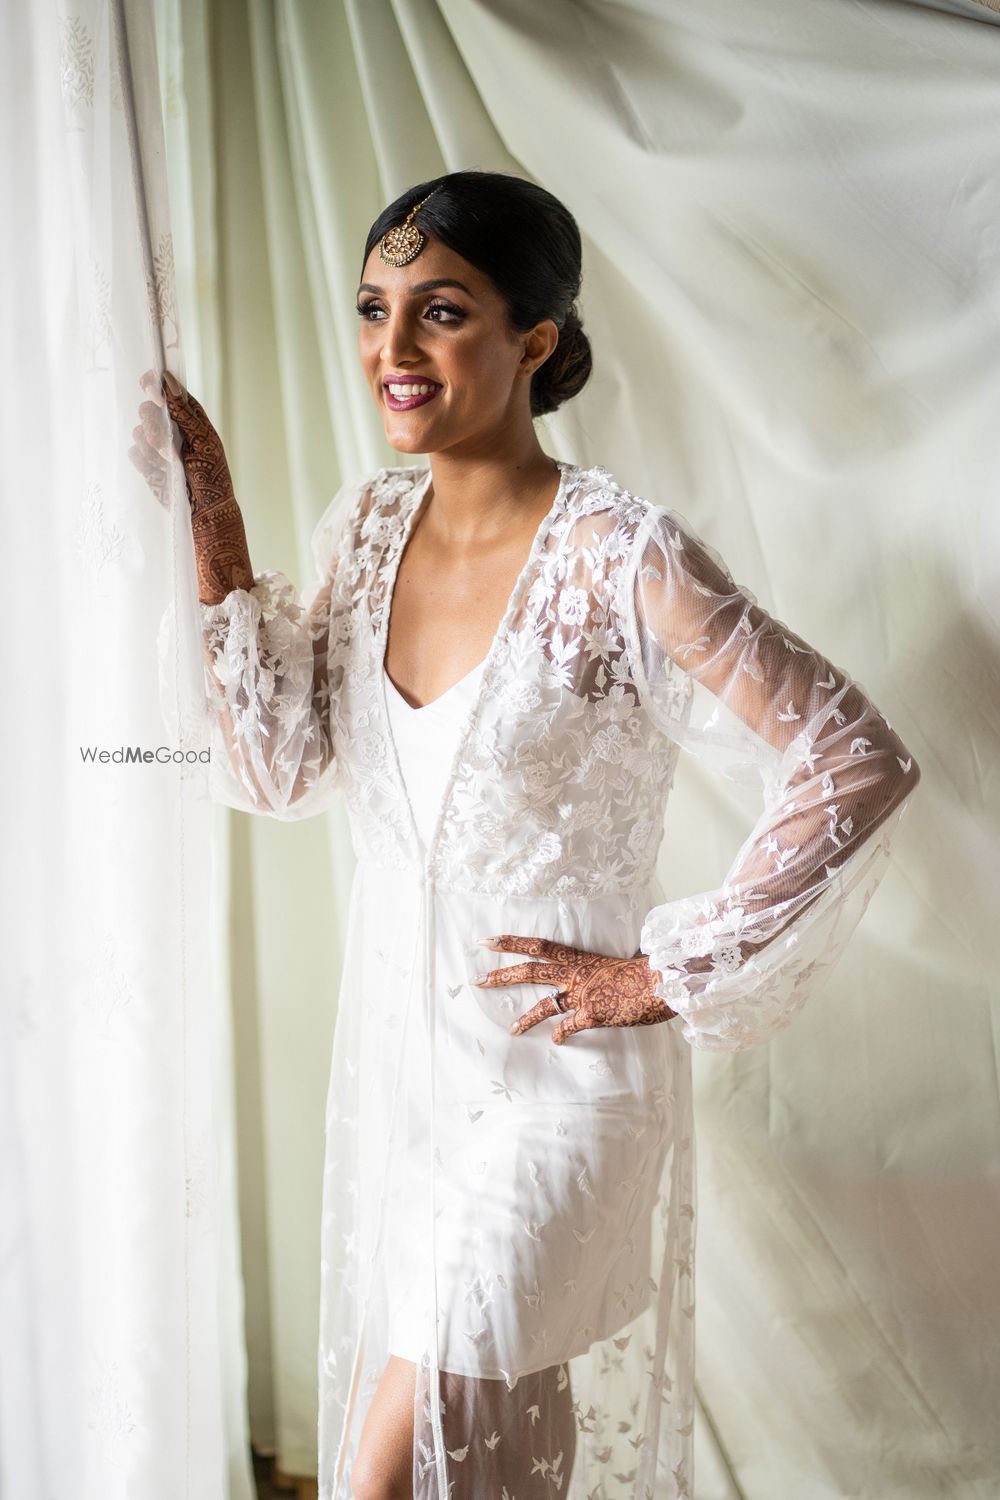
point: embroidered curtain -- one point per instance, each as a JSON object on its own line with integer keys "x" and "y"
{"x": 123, "y": 1362}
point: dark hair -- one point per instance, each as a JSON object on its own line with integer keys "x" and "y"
{"x": 527, "y": 243}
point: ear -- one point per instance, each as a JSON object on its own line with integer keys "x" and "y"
{"x": 538, "y": 344}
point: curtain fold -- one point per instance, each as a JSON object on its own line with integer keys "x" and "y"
{"x": 122, "y": 1365}
{"x": 790, "y": 280}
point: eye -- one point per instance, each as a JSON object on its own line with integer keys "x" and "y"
{"x": 452, "y": 314}
{"x": 368, "y": 309}
{"x": 437, "y": 311}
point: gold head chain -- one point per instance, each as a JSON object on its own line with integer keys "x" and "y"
{"x": 401, "y": 244}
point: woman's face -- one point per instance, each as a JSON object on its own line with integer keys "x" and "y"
{"x": 439, "y": 323}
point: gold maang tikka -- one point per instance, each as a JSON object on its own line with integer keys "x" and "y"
{"x": 399, "y": 245}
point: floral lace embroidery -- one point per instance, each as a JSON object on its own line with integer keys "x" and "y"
{"x": 561, "y": 779}
{"x": 562, "y": 773}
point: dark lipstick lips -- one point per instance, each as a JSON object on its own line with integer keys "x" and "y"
{"x": 407, "y": 403}
{"x": 399, "y": 377}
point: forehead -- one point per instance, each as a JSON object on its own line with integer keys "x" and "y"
{"x": 433, "y": 260}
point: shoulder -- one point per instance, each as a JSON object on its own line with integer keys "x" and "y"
{"x": 596, "y": 488}
{"x": 622, "y": 537}
{"x": 595, "y": 491}
{"x": 597, "y": 497}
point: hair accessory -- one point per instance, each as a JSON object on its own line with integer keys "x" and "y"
{"x": 401, "y": 244}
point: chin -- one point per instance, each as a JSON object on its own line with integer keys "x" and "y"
{"x": 404, "y": 442}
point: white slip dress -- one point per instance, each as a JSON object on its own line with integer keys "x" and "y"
{"x": 481, "y": 1221}
{"x": 426, "y": 739}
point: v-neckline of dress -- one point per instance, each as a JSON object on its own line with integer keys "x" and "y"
{"x": 484, "y": 667}
{"x": 422, "y": 708}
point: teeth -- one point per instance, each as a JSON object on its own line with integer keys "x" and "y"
{"x": 411, "y": 390}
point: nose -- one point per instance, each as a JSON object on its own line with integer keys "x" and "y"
{"x": 399, "y": 347}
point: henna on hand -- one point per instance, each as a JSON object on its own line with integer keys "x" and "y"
{"x": 594, "y": 989}
{"x": 216, "y": 520}
{"x": 221, "y": 552}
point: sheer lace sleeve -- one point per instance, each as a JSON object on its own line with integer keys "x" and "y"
{"x": 267, "y": 678}
{"x": 750, "y": 698}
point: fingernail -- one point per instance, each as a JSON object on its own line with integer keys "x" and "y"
{"x": 172, "y": 384}
{"x": 488, "y": 942}
{"x": 479, "y": 978}
{"x": 515, "y": 1030}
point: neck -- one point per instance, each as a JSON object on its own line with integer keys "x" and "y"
{"x": 478, "y": 490}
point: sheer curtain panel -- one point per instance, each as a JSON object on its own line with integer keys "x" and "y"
{"x": 122, "y": 1360}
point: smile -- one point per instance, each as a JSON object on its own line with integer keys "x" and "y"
{"x": 404, "y": 395}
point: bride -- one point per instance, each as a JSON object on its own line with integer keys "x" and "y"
{"x": 496, "y": 665}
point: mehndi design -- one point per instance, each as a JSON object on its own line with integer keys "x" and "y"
{"x": 595, "y": 989}
{"x": 222, "y": 555}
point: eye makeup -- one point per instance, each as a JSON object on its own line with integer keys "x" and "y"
{"x": 452, "y": 313}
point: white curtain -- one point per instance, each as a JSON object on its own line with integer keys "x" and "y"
{"x": 122, "y": 1360}
{"x": 791, "y": 279}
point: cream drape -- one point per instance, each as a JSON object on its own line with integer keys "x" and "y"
{"x": 122, "y": 1359}
{"x": 791, "y": 283}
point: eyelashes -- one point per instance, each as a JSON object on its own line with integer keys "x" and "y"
{"x": 453, "y": 314}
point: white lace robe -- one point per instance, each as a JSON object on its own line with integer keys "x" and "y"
{"x": 539, "y": 1201}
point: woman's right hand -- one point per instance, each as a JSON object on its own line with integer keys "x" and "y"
{"x": 217, "y": 524}
{"x": 206, "y": 467}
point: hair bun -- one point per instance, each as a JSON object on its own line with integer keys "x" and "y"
{"x": 567, "y": 369}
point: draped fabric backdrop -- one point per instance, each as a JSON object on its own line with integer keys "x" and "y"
{"x": 791, "y": 283}
{"x": 122, "y": 1362}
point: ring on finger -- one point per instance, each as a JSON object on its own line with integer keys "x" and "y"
{"x": 559, "y": 998}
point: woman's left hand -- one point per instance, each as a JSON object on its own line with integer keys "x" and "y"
{"x": 593, "y": 988}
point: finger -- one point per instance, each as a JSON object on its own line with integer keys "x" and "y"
{"x": 522, "y": 974}
{"x": 198, "y": 414}
{"x": 151, "y": 454}
{"x": 572, "y": 1021}
{"x": 155, "y": 477}
{"x": 193, "y": 421}
{"x": 149, "y": 383}
{"x": 151, "y": 460}
{"x": 156, "y": 427}
{"x": 560, "y": 953}
{"x": 541, "y": 1011}
{"x": 180, "y": 400}
{"x": 180, "y": 409}
{"x": 172, "y": 388}
{"x": 141, "y": 461}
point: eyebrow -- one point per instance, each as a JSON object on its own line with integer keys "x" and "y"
{"x": 422, "y": 286}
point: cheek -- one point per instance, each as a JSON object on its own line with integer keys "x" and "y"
{"x": 479, "y": 372}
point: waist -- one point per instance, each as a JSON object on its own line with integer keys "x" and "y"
{"x": 599, "y": 922}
